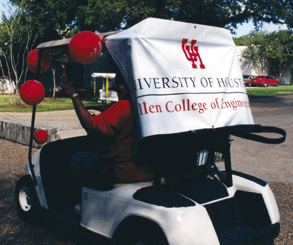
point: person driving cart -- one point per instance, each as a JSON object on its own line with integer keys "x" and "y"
{"x": 116, "y": 127}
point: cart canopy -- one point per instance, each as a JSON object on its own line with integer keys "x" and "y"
{"x": 183, "y": 77}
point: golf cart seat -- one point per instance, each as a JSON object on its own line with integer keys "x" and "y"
{"x": 55, "y": 164}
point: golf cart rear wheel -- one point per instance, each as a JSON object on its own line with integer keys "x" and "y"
{"x": 140, "y": 239}
{"x": 139, "y": 231}
{"x": 27, "y": 202}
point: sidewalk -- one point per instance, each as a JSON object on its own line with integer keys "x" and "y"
{"x": 66, "y": 121}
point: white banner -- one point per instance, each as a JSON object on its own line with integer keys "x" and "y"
{"x": 183, "y": 76}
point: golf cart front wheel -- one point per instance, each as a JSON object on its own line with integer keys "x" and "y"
{"x": 27, "y": 202}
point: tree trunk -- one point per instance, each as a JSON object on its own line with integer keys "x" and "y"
{"x": 54, "y": 82}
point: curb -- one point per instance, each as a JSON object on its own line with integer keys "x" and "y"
{"x": 20, "y": 132}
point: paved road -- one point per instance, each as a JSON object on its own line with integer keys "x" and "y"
{"x": 269, "y": 162}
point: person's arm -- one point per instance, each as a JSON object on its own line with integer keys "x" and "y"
{"x": 83, "y": 115}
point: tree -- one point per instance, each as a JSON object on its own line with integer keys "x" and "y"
{"x": 62, "y": 18}
{"x": 108, "y": 15}
{"x": 57, "y": 59}
{"x": 23, "y": 27}
{"x": 18, "y": 34}
{"x": 58, "y": 17}
{"x": 118, "y": 14}
{"x": 283, "y": 11}
{"x": 273, "y": 51}
{"x": 242, "y": 41}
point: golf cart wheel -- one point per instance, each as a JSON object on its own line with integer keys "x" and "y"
{"x": 139, "y": 231}
{"x": 27, "y": 202}
{"x": 140, "y": 239}
{"x": 265, "y": 84}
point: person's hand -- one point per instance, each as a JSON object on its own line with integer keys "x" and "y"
{"x": 69, "y": 89}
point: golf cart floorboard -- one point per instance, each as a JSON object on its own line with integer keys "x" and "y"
{"x": 243, "y": 236}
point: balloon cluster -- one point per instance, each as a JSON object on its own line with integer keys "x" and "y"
{"x": 84, "y": 47}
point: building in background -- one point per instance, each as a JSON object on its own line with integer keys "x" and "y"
{"x": 249, "y": 69}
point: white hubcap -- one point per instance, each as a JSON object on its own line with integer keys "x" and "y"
{"x": 25, "y": 199}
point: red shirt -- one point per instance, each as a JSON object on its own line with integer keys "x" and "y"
{"x": 117, "y": 123}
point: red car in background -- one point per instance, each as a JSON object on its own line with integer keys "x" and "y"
{"x": 264, "y": 81}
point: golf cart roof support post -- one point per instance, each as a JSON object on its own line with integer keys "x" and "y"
{"x": 157, "y": 178}
{"x": 228, "y": 168}
{"x": 31, "y": 166}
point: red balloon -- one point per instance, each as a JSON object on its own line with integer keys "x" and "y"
{"x": 32, "y": 92}
{"x": 32, "y": 61}
{"x": 41, "y": 136}
{"x": 85, "y": 47}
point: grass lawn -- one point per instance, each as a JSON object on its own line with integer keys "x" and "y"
{"x": 47, "y": 105}
{"x": 66, "y": 103}
{"x": 270, "y": 91}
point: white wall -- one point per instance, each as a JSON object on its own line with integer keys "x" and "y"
{"x": 6, "y": 87}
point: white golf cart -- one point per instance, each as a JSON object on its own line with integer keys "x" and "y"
{"x": 185, "y": 118}
{"x": 106, "y": 94}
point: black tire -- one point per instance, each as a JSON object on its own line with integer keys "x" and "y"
{"x": 140, "y": 238}
{"x": 265, "y": 84}
{"x": 27, "y": 202}
{"x": 141, "y": 232}
{"x": 278, "y": 84}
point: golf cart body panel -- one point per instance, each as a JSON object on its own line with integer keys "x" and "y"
{"x": 121, "y": 205}
{"x": 187, "y": 220}
{"x": 39, "y": 187}
{"x": 189, "y": 98}
{"x": 250, "y": 186}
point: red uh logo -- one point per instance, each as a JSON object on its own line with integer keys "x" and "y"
{"x": 191, "y": 53}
